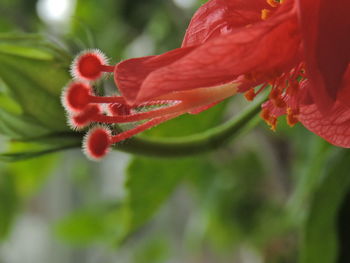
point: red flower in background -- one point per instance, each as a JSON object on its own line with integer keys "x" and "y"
{"x": 298, "y": 48}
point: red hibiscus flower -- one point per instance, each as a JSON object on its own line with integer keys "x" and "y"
{"x": 299, "y": 49}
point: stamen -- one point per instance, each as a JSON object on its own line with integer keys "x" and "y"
{"x": 250, "y": 94}
{"x": 269, "y": 119}
{"x": 273, "y": 3}
{"x": 285, "y": 88}
{"x": 265, "y": 114}
{"x": 276, "y": 97}
{"x": 84, "y": 108}
{"x": 98, "y": 140}
{"x": 265, "y": 13}
{"x": 273, "y": 123}
{"x": 177, "y": 108}
{"x": 292, "y": 117}
{"x": 127, "y": 134}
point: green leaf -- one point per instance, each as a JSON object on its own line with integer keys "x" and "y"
{"x": 33, "y": 46}
{"x": 36, "y": 86}
{"x": 30, "y": 175}
{"x": 33, "y": 77}
{"x": 25, "y": 51}
{"x": 41, "y": 146}
{"x": 21, "y": 156}
{"x": 8, "y": 204}
{"x": 7, "y": 103}
{"x": 319, "y": 242}
{"x": 81, "y": 227}
{"x": 17, "y": 127}
{"x": 309, "y": 176}
{"x": 152, "y": 250}
{"x": 151, "y": 181}
{"x": 105, "y": 222}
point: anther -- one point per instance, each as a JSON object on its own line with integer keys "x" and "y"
{"x": 279, "y": 102}
{"x": 265, "y": 13}
{"x": 276, "y": 97}
{"x": 292, "y": 117}
{"x": 269, "y": 119}
{"x": 273, "y": 123}
{"x": 265, "y": 114}
{"x": 250, "y": 95}
{"x": 272, "y": 3}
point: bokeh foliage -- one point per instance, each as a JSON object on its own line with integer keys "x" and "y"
{"x": 277, "y": 196}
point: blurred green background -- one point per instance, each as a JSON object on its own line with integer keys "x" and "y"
{"x": 272, "y": 197}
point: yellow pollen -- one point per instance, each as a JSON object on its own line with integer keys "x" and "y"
{"x": 265, "y": 14}
{"x": 265, "y": 114}
{"x": 273, "y": 3}
{"x": 292, "y": 117}
{"x": 250, "y": 95}
{"x": 269, "y": 119}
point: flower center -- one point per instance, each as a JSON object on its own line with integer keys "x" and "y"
{"x": 283, "y": 98}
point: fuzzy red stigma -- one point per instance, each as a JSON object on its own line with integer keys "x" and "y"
{"x": 76, "y": 96}
{"x": 97, "y": 142}
{"x": 90, "y": 65}
{"x": 84, "y": 118}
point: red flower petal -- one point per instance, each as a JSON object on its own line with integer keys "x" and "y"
{"x": 268, "y": 48}
{"x": 130, "y": 74}
{"x": 333, "y": 126}
{"x": 218, "y": 17}
{"x": 325, "y": 26}
{"x": 222, "y": 60}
